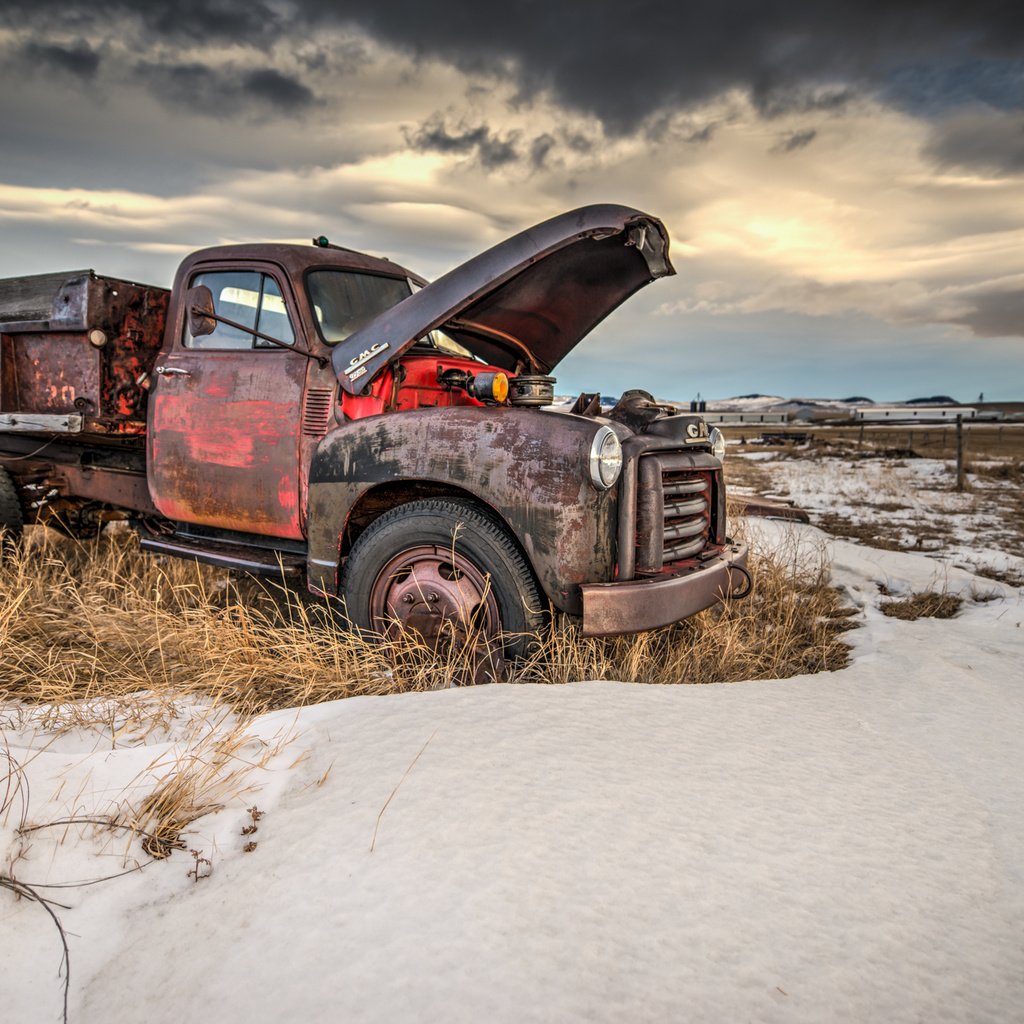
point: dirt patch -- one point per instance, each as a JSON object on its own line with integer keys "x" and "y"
{"x": 749, "y": 474}
{"x": 923, "y": 605}
{"x": 1008, "y": 576}
{"x": 875, "y": 535}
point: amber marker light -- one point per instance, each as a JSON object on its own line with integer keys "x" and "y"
{"x": 490, "y": 387}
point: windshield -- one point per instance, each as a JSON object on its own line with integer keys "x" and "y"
{"x": 344, "y": 300}
{"x": 437, "y": 339}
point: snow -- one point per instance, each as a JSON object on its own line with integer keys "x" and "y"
{"x": 847, "y": 846}
{"x": 776, "y": 403}
{"x": 914, "y": 498}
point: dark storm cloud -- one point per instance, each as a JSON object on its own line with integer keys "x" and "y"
{"x": 623, "y": 62}
{"x": 540, "y": 149}
{"x": 979, "y": 138}
{"x": 491, "y": 149}
{"x": 281, "y": 91}
{"x": 796, "y": 140}
{"x": 223, "y": 91}
{"x": 932, "y": 89}
{"x": 78, "y": 59}
{"x": 995, "y": 313}
{"x": 240, "y": 20}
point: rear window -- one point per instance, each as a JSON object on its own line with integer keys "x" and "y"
{"x": 344, "y": 301}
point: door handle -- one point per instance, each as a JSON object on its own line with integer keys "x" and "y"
{"x": 172, "y": 371}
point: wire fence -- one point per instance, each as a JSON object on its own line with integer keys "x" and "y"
{"x": 934, "y": 441}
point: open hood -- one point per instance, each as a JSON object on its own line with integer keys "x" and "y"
{"x": 526, "y": 303}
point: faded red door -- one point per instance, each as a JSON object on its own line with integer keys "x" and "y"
{"x": 224, "y": 414}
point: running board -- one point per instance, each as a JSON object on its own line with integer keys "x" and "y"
{"x": 256, "y": 561}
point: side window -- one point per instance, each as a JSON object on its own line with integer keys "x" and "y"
{"x": 253, "y": 301}
{"x": 273, "y": 319}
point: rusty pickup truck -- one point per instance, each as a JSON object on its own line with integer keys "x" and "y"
{"x": 317, "y": 412}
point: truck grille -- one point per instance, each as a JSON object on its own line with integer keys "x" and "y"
{"x": 687, "y": 514}
{"x": 674, "y": 511}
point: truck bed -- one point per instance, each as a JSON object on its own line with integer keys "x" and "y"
{"x": 76, "y": 350}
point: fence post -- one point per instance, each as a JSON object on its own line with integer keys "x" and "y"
{"x": 959, "y": 452}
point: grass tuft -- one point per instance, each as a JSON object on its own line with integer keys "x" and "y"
{"x": 924, "y": 604}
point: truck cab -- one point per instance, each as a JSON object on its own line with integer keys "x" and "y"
{"x": 234, "y": 419}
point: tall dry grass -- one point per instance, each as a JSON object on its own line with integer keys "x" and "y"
{"x": 90, "y": 622}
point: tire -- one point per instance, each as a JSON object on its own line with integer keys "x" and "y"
{"x": 12, "y": 521}
{"x": 447, "y": 569}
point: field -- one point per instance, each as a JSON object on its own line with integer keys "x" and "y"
{"x": 835, "y": 835}
{"x": 897, "y": 489}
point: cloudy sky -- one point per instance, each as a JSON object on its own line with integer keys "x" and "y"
{"x": 843, "y": 183}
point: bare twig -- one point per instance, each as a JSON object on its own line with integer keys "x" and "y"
{"x": 395, "y": 790}
{"x": 29, "y": 893}
{"x": 105, "y": 822}
{"x": 88, "y": 881}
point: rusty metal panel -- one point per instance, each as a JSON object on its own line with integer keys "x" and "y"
{"x": 638, "y": 507}
{"x": 541, "y": 290}
{"x": 89, "y": 357}
{"x": 649, "y": 516}
{"x": 52, "y": 372}
{"x": 126, "y": 490}
{"x": 530, "y": 467}
{"x": 224, "y": 439}
{"x": 611, "y": 609}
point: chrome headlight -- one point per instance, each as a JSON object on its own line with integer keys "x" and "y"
{"x": 717, "y": 439}
{"x": 605, "y": 458}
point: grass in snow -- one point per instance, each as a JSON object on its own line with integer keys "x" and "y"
{"x": 83, "y": 623}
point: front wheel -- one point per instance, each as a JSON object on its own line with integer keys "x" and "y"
{"x": 447, "y": 570}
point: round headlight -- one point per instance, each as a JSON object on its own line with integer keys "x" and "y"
{"x": 717, "y": 439}
{"x": 605, "y": 458}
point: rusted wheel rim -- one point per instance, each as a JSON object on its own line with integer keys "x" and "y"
{"x": 438, "y": 593}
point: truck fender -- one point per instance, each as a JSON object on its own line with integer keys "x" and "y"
{"x": 529, "y": 467}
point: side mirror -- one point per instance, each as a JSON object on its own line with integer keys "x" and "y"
{"x": 200, "y": 311}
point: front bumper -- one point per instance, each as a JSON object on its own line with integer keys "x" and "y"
{"x": 634, "y": 605}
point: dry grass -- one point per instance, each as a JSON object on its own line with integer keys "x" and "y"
{"x": 83, "y": 624}
{"x": 925, "y": 604}
{"x": 1009, "y": 470}
{"x": 200, "y": 776}
{"x": 793, "y": 623}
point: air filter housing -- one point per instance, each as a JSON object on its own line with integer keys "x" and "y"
{"x": 531, "y": 389}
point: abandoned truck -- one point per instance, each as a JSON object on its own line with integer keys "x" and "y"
{"x": 327, "y": 414}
